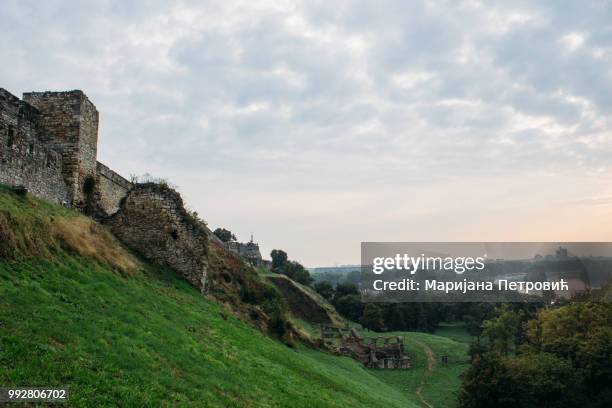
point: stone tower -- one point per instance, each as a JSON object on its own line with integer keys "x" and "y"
{"x": 72, "y": 124}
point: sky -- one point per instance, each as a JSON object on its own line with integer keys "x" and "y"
{"x": 316, "y": 125}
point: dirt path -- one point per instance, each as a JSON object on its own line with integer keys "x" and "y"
{"x": 431, "y": 363}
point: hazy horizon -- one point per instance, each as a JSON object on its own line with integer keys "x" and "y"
{"x": 315, "y": 127}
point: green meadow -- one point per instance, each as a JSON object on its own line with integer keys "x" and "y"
{"x": 119, "y": 335}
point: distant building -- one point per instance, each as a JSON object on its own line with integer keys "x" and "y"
{"x": 248, "y": 251}
{"x": 561, "y": 253}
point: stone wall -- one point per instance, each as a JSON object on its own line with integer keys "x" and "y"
{"x": 25, "y": 157}
{"x": 48, "y": 144}
{"x": 72, "y": 121}
{"x": 248, "y": 251}
{"x": 153, "y": 221}
{"x": 111, "y": 189}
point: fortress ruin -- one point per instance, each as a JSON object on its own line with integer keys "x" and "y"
{"x": 49, "y": 146}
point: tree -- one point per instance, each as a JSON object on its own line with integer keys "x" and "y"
{"x": 474, "y": 314}
{"x": 296, "y": 271}
{"x": 373, "y": 317}
{"x": 343, "y": 289}
{"x": 349, "y": 306}
{"x": 395, "y": 317}
{"x": 529, "y": 380}
{"x": 580, "y": 332}
{"x": 291, "y": 269}
{"x": 279, "y": 258}
{"x": 324, "y": 289}
{"x": 503, "y": 330}
{"x": 224, "y": 235}
{"x": 563, "y": 361}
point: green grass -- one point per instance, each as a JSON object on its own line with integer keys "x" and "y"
{"x": 440, "y": 387}
{"x": 455, "y": 331}
{"x": 153, "y": 340}
{"x": 149, "y": 339}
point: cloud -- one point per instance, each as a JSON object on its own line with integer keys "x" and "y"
{"x": 299, "y": 109}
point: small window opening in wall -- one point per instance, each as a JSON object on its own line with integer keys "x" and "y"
{"x": 11, "y": 136}
{"x": 174, "y": 235}
{"x": 31, "y": 148}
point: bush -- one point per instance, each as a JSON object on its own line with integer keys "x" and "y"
{"x": 278, "y": 325}
{"x": 325, "y": 289}
{"x": 224, "y": 235}
{"x": 296, "y": 272}
{"x": 20, "y": 191}
{"x": 531, "y": 380}
{"x": 372, "y": 317}
{"x": 349, "y": 306}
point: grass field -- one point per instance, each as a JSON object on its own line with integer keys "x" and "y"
{"x": 153, "y": 340}
{"x": 454, "y": 331}
{"x": 438, "y": 383}
{"x": 120, "y": 331}
{"x": 146, "y": 337}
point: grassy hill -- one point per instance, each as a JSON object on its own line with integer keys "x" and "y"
{"x": 429, "y": 382}
{"x": 77, "y": 309}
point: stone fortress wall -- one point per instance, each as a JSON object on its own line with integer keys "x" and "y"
{"x": 49, "y": 145}
{"x": 248, "y": 251}
{"x": 72, "y": 121}
{"x": 26, "y": 159}
{"x": 153, "y": 220}
{"x": 112, "y": 188}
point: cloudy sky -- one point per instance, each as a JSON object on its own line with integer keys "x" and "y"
{"x": 316, "y": 125}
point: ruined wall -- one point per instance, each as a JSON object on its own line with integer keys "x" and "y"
{"x": 25, "y": 158}
{"x": 111, "y": 188}
{"x": 153, "y": 221}
{"x": 48, "y": 143}
{"x": 248, "y": 251}
{"x": 72, "y": 121}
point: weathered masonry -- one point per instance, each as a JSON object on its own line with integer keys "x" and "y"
{"x": 111, "y": 187}
{"x": 153, "y": 220}
{"x": 26, "y": 157}
{"x": 49, "y": 145}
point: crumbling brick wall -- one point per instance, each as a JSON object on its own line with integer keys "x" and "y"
{"x": 152, "y": 220}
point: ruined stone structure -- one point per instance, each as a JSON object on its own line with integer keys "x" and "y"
{"x": 26, "y": 157}
{"x": 111, "y": 188}
{"x": 375, "y": 352}
{"x": 248, "y": 251}
{"x": 152, "y": 220}
{"x": 49, "y": 144}
{"x": 72, "y": 122}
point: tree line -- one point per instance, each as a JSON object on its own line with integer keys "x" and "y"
{"x": 559, "y": 356}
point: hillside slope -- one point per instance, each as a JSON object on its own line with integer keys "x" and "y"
{"x": 429, "y": 381}
{"x": 77, "y": 309}
{"x": 304, "y": 303}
